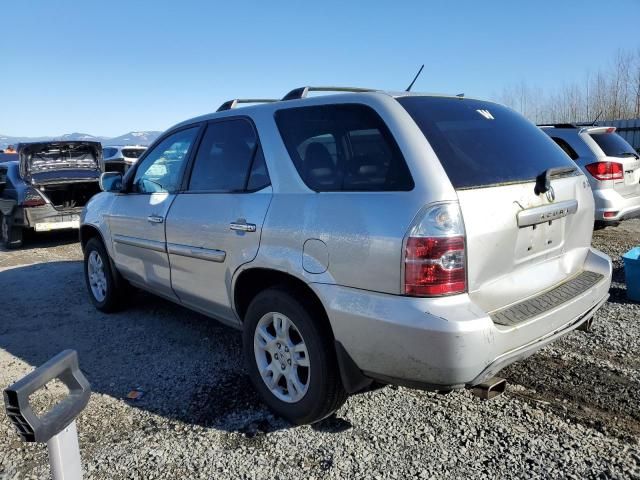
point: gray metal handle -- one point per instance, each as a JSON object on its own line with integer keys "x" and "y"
{"x": 32, "y": 428}
{"x": 155, "y": 219}
{"x": 243, "y": 227}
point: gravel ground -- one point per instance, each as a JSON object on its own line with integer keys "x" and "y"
{"x": 570, "y": 411}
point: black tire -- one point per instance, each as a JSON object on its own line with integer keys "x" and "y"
{"x": 325, "y": 393}
{"x": 10, "y": 235}
{"x": 113, "y": 298}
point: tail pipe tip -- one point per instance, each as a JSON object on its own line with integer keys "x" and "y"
{"x": 490, "y": 388}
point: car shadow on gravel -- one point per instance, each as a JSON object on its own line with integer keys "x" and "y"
{"x": 187, "y": 367}
{"x": 34, "y": 240}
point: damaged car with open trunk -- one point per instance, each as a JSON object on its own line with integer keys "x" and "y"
{"x": 46, "y": 187}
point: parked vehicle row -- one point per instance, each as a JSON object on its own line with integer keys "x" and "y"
{"x": 609, "y": 162}
{"x": 419, "y": 240}
{"x": 121, "y": 158}
{"x": 46, "y": 187}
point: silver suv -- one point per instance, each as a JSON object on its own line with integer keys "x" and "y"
{"x": 609, "y": 162}
{"x": 426, "y": 241}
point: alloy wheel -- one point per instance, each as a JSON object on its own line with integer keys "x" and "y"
{"x": 282, "y": 357}
{"x": 97, "y": 277}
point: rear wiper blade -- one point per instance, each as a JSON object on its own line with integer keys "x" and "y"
{"x": 627, "y": 154}
{"x": 543, "y": 181}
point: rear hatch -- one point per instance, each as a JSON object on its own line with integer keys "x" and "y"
{"x": 45, "y": 163}
{"x": 611, "y": 147}
{"x": 520, "y": 242}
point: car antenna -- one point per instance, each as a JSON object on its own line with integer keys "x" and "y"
{"x": 414, "y": 79}
{"x": 596, "y": 119}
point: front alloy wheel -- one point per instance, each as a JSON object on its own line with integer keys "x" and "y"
{"x": 103, "y": 281}
{"x": 97, "y": 277}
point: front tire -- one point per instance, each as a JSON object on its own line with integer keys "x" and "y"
{"x": 10, "y": 235}
{"x": 102, "y": 280}
{"x": 290, "y": 357}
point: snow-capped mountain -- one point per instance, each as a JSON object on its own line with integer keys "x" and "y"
{"x": 131, "y": 138}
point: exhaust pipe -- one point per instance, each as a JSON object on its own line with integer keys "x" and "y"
{"x": 586, "y": 326}
{"x": 490, "y": 388}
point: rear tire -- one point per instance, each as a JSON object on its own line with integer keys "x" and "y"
{"x": 10, "y": 235}
{"x": 300, "y": 378}
{"x": 102, "y": 279}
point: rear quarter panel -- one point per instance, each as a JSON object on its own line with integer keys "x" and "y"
{"x": 362, "y": 231}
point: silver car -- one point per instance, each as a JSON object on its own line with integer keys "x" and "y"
{"x": 120, "y": 158}
{"x": 609, "y": 162}
{"x": 419, "y": 240}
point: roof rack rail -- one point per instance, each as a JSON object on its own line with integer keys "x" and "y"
{"x": 302, "y": 92}
{"x": 229, "y": 104}
{"x": 557, "y": 125}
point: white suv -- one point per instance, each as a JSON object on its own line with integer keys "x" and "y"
{"x": 120, "y": 158}
{"x": 609, "y": 162}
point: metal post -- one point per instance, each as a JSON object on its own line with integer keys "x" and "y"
{"x": 64, "y": 454}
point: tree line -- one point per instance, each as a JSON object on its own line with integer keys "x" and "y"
{"x": 610, "y": 94}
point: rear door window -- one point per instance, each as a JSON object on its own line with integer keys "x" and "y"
{"x": 613, "y": 145}
{"x": 224, "y": 157}
{"x": 343, "y": 147}
{"x": 481, "y": 143}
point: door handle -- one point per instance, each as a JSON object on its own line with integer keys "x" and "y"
{"x": 155, "y": 219}
{"x": 243, "y": 227}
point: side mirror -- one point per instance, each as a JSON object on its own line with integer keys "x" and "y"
{"x": 111, "y": 182}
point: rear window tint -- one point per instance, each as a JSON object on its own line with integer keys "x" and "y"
{"x": 481, "y": 143}
{"x": 132, "y": 152}
{"x": 612, "y": 144}
{"x": 343, "y": 147}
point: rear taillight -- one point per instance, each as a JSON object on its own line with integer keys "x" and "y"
{"x": 435, "y": 254}
{"x": 33, "y": 199}
{"x": 605, "y": 170}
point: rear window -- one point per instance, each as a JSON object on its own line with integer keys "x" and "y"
{"x": 613, "y": 145}
{"x": 344, "y": 147}
{"x": 132, "y": 152}
{"x": 481, "y": 143}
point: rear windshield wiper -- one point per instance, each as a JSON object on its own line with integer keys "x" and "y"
{"x": 543, "y": 181}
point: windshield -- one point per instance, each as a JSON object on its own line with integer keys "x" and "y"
{"x": 613, "y": 145}
{"x": 481, "y": 143}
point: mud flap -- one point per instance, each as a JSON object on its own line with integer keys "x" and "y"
{"x": 353, "y": 380}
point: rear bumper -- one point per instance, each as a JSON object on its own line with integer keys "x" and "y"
{"x": 47, "y": 218}
{"x": 608, "y": 200}
{"x": 448, "y": 342}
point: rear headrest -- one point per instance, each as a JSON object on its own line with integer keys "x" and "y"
{"x": 318, "y": 166}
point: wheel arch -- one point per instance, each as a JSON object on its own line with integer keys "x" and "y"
{"x": 252, "y": 281}
{"x": 87, "y": 232}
